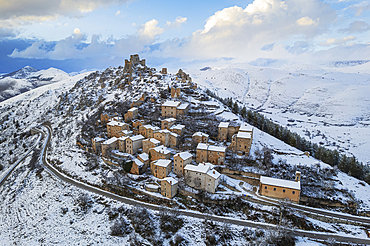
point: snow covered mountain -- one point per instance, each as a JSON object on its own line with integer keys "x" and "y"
{"x": 26, "y": 79}
{"x": 330, "y": 105}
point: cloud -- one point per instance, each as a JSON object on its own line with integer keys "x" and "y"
{"x": 333, "y": 41}
{"x": 361, "y": 7}
{"x": 16, "y": 14}
{"x": 178, "y": 22}
{"x": 243, "y": 32}
{"x": 356, "y": 26}
{"x": 77, "y": 46}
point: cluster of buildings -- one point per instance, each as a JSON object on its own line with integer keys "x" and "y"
{"x": 145, "y": 146}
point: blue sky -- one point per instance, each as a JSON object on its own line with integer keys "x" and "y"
{"x": 94, "y": 34}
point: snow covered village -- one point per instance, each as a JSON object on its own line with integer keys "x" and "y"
{"x": 150, "y": 158}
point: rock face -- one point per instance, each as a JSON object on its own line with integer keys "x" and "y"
{"x": 26, "y": 79}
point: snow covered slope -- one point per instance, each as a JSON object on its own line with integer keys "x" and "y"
{"x": 26, "y": 79}
{"x": 331, "y": 100}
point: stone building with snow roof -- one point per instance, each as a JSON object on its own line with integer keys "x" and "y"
{"x": 178, "y": 129}
{"x": 280, "y": 188}
{"x": 174, "y": 108}
{"x": 115, "y": 128}
{"x": 223, "y": 131}
{"x": 161, "y": 168}
{"x": 131, "y": 114}
{"x": 241, "y": 143}
{"x": 202, "y": 177}
{"x": 137, "y": 167}
{"x": 167, "y": 123}
{"x": 149, "y": 144}
{"x": 108, "y": 145}
{"x": 144, "y": 158}
{"x": 169, "y": 187}
{"x": 180, "y": 160}
{"x": 167, "y": 138}
{"x": 148, "y": 130}
{"x": 134, "y": 143}
{"x": 200, "y": 137}
{"x": 209, "y": 153}
{"x": 122, "y": 144}
{"x": 159, "y": 152}
{"x": 96, "y": 144}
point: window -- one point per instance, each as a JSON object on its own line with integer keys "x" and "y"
{"x": 265, "y": 187}
{"x": 284, "y": 191}
{"x": 293, "y": 192}
{"x": 274, "y": 189}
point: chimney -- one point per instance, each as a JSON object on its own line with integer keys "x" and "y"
{"x": 170, "y": 182}
{"x": 214, "y": 172}
{"x": 297, "y": 176}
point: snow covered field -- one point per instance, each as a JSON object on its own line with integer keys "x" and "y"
{"x": 331, "y": 103}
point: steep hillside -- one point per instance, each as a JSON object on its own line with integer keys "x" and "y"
{"x": 26, "y": 79}
{"x": 331, "y": 104}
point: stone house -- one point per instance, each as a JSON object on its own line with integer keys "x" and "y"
{"x": 180, "y": 160}
{"x": 161, "y": 168}
{"x": 159, "y": 152}
{"x": 105, "y": 117}
{"x": 167, "y": 138}
{"x": 279, "y": 188}
{"x": 175, "y": 92}
{"x": 148, "y": 130}
{"x": 149, "y": 144}
{"x": 122, "y": 144}
{"x": 115, "y": 128}
{"x": 137, "y": 167}
{"x": 96, "y": 144}
{"x": 210, "y": 153}
{"x": 131, "y": 114}
{"x": 182, "y": 109}
{"x": 109, "y": 145}
{"x": 137, "y": 123}
{"x": 167, "y": 123}
{"x": 202, "y": 177}
{"x": 223, "y": 131}
{"x": 126, "y": 133}
{"x": 164, "y": 70}
{"x": 241, "y": 143}
{"x": 133, "y": 144}
{"x": 246, "y": 128}
{"x": 144, "y": 158}
{"x": 200, "y": 137}
{"x": 178, "y": 129}
{"x": 169, "y": 187}
{"x": 169, "y": 108}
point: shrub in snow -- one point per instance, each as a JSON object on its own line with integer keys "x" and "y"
{"x": 120, "y": 227}
{"x": 170, "y": 222}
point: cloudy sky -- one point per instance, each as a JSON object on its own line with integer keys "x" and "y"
{"x": 94, "y": 34}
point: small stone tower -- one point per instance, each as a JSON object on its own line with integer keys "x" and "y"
{"x": 297, "y": 176}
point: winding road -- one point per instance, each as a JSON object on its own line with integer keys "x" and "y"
{"x": 195, "y": 214}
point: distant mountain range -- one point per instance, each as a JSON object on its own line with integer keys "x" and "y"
{"x": 26, "y": 79}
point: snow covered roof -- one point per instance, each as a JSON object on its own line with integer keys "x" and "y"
{"x": 280, "y": 182}
{"x": 162, "y": 149}
{"x": 170, "y": 180}
{"x": 99, "y": 139}
{"x": 123, "y": 138}
{"x": 111, "y": 140}
{"x": 170, "y": 119}
{"x": 174, "y": 134}
{"x": 132, "y": 109}
{"x": 154, "y": 128}
{"x": 162, "y": 163}
{"x": 213, "y": 173}
{"x": 246, "y": 128}
{"x": 115, "y": 123}
{"x": 171, "y": 104}
{"x": 178, "y": 127}
{"x": 126, "y": 132}
{"x": 216, "y": 148}
{"x": 244, "y": 135}
{"x": 201, "y": 168}
{"x": 200, "y": 134}
{"x": 224, "y": 124}
{"x": 202, "y": 146}
{"x": 136, "y": 138}
{"x": 184, "y": 155}
{"x": 155, "y": 141}
{"x": 183, "y": 106}
{"x": 138, "y": 162}
{"x": 144, "y": 156}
